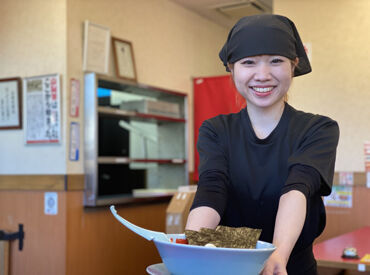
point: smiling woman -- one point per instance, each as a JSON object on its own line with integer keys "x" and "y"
{"x": 267, "y": 166}
{"x": 263, "y": 80}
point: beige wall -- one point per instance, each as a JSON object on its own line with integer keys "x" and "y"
{"x": 339, "y": 84}
{"x": 171, "y": 44}
{"x": 32, "y": 42}
{"x": 32, "y": 37}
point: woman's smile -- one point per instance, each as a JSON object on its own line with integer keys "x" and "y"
{"x": 262, "y": 91}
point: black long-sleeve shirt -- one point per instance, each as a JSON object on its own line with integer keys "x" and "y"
{"x": 242, "y": 177}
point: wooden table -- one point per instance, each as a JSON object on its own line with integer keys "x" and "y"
{"x": 328, "y": 253}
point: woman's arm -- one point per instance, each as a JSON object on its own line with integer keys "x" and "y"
{"x": 202, "y": 216}
{"x": 212, "y": 189}
{"x": 288, "y": 226}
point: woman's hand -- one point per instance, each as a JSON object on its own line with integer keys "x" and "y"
{"x": 288, "y": 226}
{"x": 275, "y": 265}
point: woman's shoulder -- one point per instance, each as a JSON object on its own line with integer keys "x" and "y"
{"x": 301, "y": 120}
{"x": 223, "y": 121}
{"x": 298, "y": 116}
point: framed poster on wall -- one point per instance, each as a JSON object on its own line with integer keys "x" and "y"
{"x": 96, "y": 48}
{"x": 123, "y": 54}
{"x": 42, "y": 109}
{"x": 74, "y": 97}
{"x": 74, "y": 141}
{"x": 10, "y": 103}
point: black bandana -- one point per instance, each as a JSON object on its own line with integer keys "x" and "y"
{"x": 265, "y": 34}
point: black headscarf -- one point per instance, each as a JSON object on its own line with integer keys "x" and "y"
{"x": 265, "y": 34}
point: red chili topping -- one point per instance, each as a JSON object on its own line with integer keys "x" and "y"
{"x": 182, "y": 241}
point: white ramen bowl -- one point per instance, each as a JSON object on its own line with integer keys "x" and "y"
{"x": 184, "y": 259}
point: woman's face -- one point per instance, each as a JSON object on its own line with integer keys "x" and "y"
{"x": 263, "y": 80}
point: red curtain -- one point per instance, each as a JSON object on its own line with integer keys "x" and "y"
{"x": 213, "y": 96}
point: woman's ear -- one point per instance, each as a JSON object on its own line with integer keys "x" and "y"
{"x": 296, "y": 61}
{"x": 231, "y": 68}
{"x": 294, "y": 64}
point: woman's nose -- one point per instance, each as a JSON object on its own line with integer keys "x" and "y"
{"x": 263, "y": 72}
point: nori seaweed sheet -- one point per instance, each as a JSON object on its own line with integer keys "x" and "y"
{"x": 224, "y": 236}
{"x": 201, "y": 237}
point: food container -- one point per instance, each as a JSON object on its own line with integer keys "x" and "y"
{"x": 184, "y": 259}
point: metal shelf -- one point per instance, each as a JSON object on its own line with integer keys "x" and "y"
{"x": 156, "y": 154}
{"x": 109, "y": 111}
{"x": 124, "y": 160}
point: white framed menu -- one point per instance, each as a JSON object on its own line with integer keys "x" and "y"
{"x": 10, "y": 103}
{"x": 42, "y": 109}
{"x": 96, "y": 48}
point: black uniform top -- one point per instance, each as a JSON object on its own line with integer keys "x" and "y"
{"x": 242, "y": 177}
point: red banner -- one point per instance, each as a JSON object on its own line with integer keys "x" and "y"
{"x": 213, "y": 96}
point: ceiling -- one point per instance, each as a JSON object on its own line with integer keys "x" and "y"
{"x": 226, "y": 12}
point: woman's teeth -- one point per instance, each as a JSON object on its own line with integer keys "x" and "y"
{"x": 262, "y": 90}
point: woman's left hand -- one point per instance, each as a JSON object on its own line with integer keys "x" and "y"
{"x": 275, "y": 265}
{"x": 288, "y": 227}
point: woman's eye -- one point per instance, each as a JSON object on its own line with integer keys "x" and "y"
{"x": 277, "y": 60}
{"x": 247, "y": 62}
